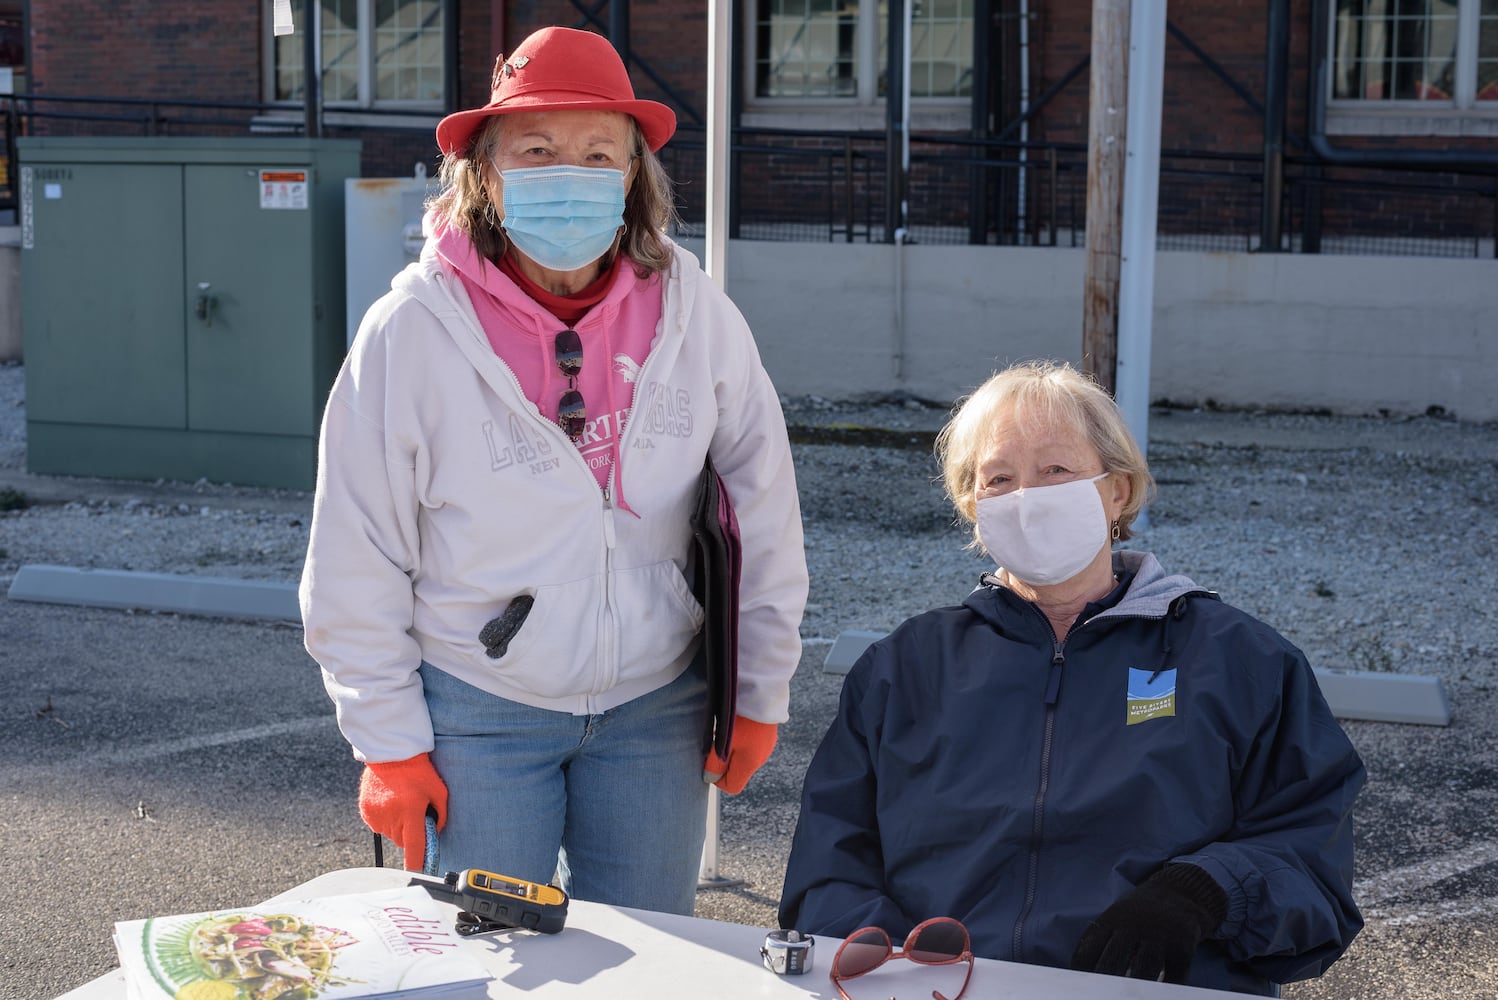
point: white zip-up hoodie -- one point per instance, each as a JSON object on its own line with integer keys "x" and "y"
{"x": 443, "y": 494}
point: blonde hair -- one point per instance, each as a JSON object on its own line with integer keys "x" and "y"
{"x": 1040, "y": 393}
{"x": 464, "y": 204}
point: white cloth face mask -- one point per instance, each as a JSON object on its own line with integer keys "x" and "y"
{"x": 1044, "y": 535}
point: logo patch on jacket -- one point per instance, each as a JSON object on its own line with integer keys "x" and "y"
{"x": 1151, "y": 695}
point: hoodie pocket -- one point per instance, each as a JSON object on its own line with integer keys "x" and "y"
{"x": 569, "y": 645}
{"x": 657, "y": 618}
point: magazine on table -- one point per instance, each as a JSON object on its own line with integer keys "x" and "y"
{"x": 396, "y": 943}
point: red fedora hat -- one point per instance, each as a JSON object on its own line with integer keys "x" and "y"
{"x": 560, "y": 69}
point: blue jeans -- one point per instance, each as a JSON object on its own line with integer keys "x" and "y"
{"x": 613, "y": 803}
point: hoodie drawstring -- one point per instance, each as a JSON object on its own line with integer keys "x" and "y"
{"x": 1174, "y": 613}
{"x": 614, "y": 451}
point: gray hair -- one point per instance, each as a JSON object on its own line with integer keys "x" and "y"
{"x": 1040, "y": 393}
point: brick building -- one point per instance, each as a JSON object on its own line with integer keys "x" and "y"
{"x": 1388, "y": 114}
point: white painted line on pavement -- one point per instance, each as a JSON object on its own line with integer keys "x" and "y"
{"x": 1443, "y": 912}
{"x": 170, "y": 747}
{"x": 1372, "y": 891}
{"x": 188, "y": 744}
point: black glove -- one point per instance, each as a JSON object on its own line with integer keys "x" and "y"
{"x": 1152, "y": 932}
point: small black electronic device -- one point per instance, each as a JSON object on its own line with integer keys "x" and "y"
{"x": 787, "y": 953}
{"x": 488, "y": 901}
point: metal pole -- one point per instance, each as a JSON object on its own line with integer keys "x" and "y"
{"x": 1022, "y": 193}
{"x": 977, "y": 223}
{"x": 451, "y": 93}
{"x": 898, "y": 83}
{"x": 1141, "y": 201}
{"x": 1277, "y": 44}
{"x": 716, "y": 239}
{"x": 895, "y": 124}
{"x": 312, "y": 67}
{"x": 619, "y": 28}
{"x": 716, "y": 235}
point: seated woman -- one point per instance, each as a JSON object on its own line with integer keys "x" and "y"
{"x": 1090, "y": 763}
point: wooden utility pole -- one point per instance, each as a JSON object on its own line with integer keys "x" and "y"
{"x": 1107, "y": 118}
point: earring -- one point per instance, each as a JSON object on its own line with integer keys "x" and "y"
{"x": 490, "y": 215}
{"x": 1115, "y": 531}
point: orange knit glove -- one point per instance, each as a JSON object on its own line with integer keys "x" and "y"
{"x": 393, "y": 799}
{"x": 751, "y": 747}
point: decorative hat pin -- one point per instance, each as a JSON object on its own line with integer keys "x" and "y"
{"x": 503, "y": 69}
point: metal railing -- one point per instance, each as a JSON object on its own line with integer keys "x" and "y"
{"x": 830, "y": 186}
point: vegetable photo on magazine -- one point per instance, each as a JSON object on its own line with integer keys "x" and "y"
{"x": 389, "y": 944}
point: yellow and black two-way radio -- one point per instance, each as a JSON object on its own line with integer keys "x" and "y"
{"x": 489, "y": 901}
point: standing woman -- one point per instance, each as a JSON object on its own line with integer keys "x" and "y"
{"x": 516, "y": 436}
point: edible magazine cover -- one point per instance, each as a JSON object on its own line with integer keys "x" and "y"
{"x": 397, "y": 943}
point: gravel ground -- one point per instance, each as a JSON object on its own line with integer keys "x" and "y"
{"x": 1368, "y": 541}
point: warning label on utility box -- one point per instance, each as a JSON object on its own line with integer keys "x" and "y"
{"x": 283, "y": 189}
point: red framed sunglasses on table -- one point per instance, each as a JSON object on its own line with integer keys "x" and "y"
{"x": 938, "y": 941}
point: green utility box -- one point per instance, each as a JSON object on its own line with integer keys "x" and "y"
{"x": 181, "y": 304}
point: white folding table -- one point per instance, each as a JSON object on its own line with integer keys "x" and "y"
{"x": 624, "y": 953}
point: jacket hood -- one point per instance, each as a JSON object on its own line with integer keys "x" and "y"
{"x": 1152, "y": 591}
{"x": 427, "y": 281}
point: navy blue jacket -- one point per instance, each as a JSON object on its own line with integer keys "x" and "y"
{"x": 979, "y": 769}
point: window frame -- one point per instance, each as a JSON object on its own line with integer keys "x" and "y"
{"x": 1462, "y": 115}
{"x": 864, "y": 111}
{"x": 346, "y": 111}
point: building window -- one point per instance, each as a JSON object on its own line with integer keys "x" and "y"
{"x": 806, "y": 48}
{"x": 1391, "y": 52}
{"x": 825, "y": 53}
{"x": 375, "y": 53}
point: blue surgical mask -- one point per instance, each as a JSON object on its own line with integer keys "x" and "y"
{"x": 563, "y": 217}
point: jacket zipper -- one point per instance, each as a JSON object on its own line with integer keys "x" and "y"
{"x": 1052, "y": 694}
{"x": 608, "y": 638}
{"x": 1037, "y": 823}
{"x": 608, "y": 628}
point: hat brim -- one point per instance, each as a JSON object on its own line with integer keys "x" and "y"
{"x": 657, "y": 122}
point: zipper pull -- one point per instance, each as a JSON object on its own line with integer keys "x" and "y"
{"x": 1053, "y": 678}
{"x": 608, "y": 518}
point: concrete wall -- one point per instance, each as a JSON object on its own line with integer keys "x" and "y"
{"x": 1355, "y": 335}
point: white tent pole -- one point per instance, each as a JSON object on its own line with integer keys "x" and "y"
{"x": 719, "y": 27}
{"x": 905, "y": 121}
{"x": 902, "y": 224}
{"x": 1141, "y": 199}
